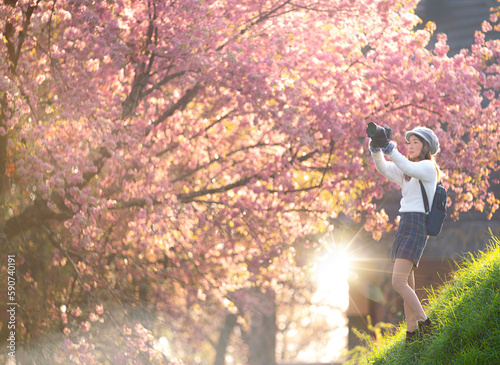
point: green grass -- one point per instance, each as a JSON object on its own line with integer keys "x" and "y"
{"x": 466, "y": 316}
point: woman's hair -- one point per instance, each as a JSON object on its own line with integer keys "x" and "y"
{"x": 425, "y": 154}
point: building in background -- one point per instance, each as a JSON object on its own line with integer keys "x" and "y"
{"x": 458, "y": 19}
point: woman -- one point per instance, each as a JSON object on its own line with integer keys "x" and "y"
{"x": 411, "y": 236}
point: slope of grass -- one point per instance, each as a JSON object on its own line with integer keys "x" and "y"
{"x": 466, "y": 317}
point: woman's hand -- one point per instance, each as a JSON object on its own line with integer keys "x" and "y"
{"x": 373, "y": 147}
{"x": 387, "y": 150}
{"x": 380, "y": 140}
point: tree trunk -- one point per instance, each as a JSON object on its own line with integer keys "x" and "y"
{"x": 225, "y": 334}
{"x": 262, "y": 338}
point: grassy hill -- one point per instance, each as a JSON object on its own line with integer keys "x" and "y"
{"x": 466, "y": 316}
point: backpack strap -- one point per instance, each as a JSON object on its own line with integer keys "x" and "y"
{"x": 424, "y": 197}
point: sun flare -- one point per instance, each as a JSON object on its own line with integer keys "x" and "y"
{"x": 331, "y": 273}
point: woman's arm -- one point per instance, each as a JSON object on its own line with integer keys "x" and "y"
{"x": 423, "y": 170}
{"x": 386, "y": 168}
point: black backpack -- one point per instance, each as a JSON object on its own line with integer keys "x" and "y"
{"x": 437, "y": 214}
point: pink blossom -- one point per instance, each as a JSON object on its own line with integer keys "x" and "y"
{"x": 40, "y": 79}
{"x": 65, "y": 15}
{"x": 99, "y": 309}
{"x": 486, "y": 26}
{"x": 85, "y": 326}
{"x": 77, "y": 312}
{"x": 489, "y": 94}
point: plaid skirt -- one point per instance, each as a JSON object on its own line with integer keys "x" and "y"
{"x": 411, "y": 238}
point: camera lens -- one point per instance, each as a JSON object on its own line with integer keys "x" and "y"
{"x": 371, "y": 129}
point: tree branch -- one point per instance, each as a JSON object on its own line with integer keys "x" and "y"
{"x": 254, "y": 23}
{"x": 179, "y": 105}
{"x": 186, "y": 198}
{"x": 33, "y": 216}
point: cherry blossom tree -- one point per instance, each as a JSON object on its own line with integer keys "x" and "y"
{"x": 157, "y": 158}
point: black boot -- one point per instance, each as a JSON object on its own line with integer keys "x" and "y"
{"x": 425, "y": 327}
{"x": 411, "y": 337}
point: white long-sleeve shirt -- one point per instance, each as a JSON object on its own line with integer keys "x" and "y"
{"x": 424, "y": 170}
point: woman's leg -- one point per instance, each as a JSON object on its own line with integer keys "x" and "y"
{"x": 402, "y": 270}
{"x": 411, "y": 321}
